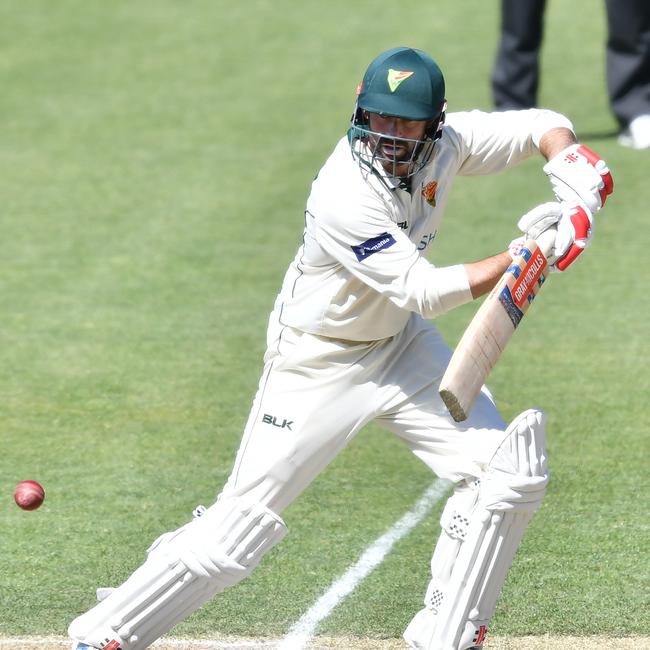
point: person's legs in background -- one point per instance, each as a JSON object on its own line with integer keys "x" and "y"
{"x": 515, "y": 77}
{"x": 628, "y": 69}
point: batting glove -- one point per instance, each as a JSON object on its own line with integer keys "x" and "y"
{"x": 538, "y": 220}
{"x": 573, "y": 226}
{"x": 579, "y": 174}
{"x": 575, "y": 231}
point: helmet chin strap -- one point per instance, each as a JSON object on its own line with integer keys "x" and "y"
{"x": 435, "y": 130}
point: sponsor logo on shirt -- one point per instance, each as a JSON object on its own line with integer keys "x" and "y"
{"x": 373, "y": 245}
{"x": 426, "y": 240}
{"x": 429, "y": 193}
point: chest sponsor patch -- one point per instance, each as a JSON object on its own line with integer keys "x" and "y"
{"x": 373, "y": 245}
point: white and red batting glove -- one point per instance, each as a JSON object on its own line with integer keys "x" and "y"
{"x": 572, "y": 222}
{"x": 536, "y": 221}
{"x": 575, "y": 230}
{"x": 579, "y": 174}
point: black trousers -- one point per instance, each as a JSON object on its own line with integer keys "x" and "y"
{"x": 515, "y": 77}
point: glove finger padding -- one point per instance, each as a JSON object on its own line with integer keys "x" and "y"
{"x": 579, "y": 174}
{"x": 535, "y": 222}
{"x": 573, "y": 226}
{"x": 575, "y": 232}
{"x": 540, "y": 219}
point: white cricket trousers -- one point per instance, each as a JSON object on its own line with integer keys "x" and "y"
{"x": 316, "y": 393}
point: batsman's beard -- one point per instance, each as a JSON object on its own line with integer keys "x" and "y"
{"x": 397, "y": 156}
{"x": 400, "y": 158}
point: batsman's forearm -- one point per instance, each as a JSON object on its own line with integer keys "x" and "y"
{"x": 484, "y": 275}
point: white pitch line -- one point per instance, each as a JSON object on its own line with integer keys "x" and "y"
{"x": 301, "y": 633}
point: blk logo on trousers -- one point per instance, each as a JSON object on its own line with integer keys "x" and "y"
{"x": 275, "y": 421}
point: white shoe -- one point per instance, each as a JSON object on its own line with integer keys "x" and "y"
{"x": 637, "y": 134}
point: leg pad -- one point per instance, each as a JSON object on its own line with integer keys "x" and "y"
{"x": 482, "y": 525}
{"x": 183, "y": 570}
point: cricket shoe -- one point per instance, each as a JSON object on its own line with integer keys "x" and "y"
{"x": 637, "y": 134}
{"x": 80, "y": 645}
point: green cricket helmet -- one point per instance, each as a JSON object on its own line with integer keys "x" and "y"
{"x": 405, "y": 83}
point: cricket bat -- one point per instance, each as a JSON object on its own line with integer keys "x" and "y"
{"x": 492, "y": 326}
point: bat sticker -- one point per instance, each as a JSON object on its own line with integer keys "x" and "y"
{"x": 514, "y": 313}
{"x": 531, "y": 277}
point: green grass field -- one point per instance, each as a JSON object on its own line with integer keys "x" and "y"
{"x": 155, "y": 158}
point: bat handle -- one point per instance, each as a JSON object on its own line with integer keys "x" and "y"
{"x": 546, "y": 241}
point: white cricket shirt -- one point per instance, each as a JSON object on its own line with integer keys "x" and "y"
{"x": 361, "y": 268}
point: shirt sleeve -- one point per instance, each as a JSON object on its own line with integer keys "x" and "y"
{"x": 491, "y": 142}
{"x": 371, "y": 247}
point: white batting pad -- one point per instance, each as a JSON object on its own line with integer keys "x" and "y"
{"x": 482, "y": 525}
{"x": 184, "y": 569}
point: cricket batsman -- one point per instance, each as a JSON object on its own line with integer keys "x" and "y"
{"x": 350, "y": 341}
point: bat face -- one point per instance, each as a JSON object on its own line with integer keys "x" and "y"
{"x": 491, "y": 328}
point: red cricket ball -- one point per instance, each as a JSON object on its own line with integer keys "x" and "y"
{"x": 29, "y": 495}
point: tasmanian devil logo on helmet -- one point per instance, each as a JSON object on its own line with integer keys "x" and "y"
{"x": 395, "y": 78}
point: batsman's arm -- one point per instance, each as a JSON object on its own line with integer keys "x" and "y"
{"x": 483, "y": 275}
